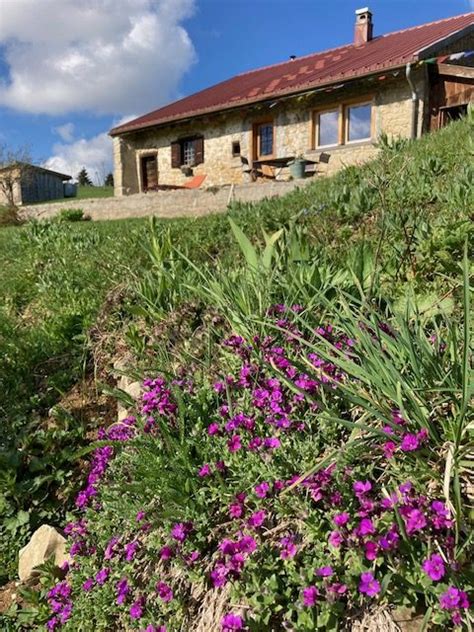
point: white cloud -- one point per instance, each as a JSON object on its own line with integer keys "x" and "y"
{"x": 100, "y": 56}
{"x": 95, "y": 154}
{"x": 66, "y": 132}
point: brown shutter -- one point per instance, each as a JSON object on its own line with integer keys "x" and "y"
{"x": 175, "y": 155}
{"x": 199, "y": 150}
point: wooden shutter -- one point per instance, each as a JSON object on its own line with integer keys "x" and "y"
{"x": 199, "y": 150}
{"x": 175, "y": 155}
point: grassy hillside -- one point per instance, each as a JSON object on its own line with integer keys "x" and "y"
{"x": 379, "y": 243}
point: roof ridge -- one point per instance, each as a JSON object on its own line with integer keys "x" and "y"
{"x": 331, "y": 50}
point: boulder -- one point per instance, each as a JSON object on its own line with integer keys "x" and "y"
{"x": 46, "y": 543}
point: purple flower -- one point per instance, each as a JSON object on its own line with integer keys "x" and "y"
{"x": 324, "y": 571}
{"x": 257, "y": 519}
{"x": 288, "y": 548}
{"x": 232, "y": 622}
{"x": 181, "y": 530}
{"x": 262, "y": 489}
{"x": 247, "y": 544}
{"x": 122, "y": 590}
{"x": 234, "y": 444}
{"x": 337, "y": 588}
{"x": 213, "y": 429}
{"x": 410, "y": 443}
{"x": 136, "y": 609}
{"x": 453, "y": 598}
{"x": 102, "y": 576}
{"x": 272, "y": 443}
{"x": 370, "y": 549}
{"x": 369, "y": 585}
{"x": 415, "y": 521}
{"x": 88, "y": 584}
{"x": 366, "y": 527}
{"x": 361, "y": 487}
{"x": 205, "y": 470}
{"x": 131, "y": 549}
{"x": 236, "y": 510}
{"x": 389, "y": 448}
{"x": 164, "y": 591}
{"x": 335, "y": 539}
{"x": 165, "y": 553}
{"x": 310, "y": 594}
{"x": 341, "y": 519}
{"x": 434, "y": 567}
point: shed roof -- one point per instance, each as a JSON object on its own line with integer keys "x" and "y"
{"x": 318, "y": 69}
{"x": 63, "y": 176}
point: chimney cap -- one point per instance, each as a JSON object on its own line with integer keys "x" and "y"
{"x": 362, "y": 11}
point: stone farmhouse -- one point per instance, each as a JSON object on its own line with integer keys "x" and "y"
{"x": 329, "y": 108}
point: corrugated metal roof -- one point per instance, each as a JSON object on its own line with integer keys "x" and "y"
{"x": 324, "y": 68}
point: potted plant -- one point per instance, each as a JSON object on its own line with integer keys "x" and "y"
{"x": 298, "y": 166}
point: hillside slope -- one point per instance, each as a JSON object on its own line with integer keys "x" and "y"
{"x": 352, "y": 248}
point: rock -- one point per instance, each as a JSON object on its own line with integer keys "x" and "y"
{"x": 46, "y": 543}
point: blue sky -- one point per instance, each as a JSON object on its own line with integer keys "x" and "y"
{"x": 63, "y": 86}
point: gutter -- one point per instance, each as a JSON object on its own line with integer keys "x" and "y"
{"x": 414, "y": 102}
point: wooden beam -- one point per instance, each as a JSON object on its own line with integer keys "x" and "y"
{"x": 453, "y": 70}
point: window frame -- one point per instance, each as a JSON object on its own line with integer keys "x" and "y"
{"x": 317, "y": 125}
{"x": 347, "y": 107}
{"x": 236, "y": 153}
{"x": 178, "y": 151}
{"x": 256, "y": 139}
{"x": 343, "y": 122}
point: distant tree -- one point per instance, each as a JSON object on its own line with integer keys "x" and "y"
{"x": 15, "y": 170}
{"x": 83, "y": 178}
{"x": 109, "y": 180}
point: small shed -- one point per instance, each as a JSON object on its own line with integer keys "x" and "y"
{"x": 30, "y": 184}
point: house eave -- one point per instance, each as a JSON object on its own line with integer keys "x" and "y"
{"x": 250, "y": 102}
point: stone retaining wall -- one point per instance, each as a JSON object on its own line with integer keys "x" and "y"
{"x": 178, "y": 203}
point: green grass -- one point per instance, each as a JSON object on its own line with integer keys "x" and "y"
{"x": 86, "y": 193}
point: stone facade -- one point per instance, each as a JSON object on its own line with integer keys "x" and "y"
{"x": 294, "y": 130}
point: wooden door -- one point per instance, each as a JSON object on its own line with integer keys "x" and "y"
{"x": 149, "y": 173}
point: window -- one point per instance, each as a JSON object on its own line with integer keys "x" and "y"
{"x": 359, "y": 122}
{"x": 235, "y": 148}
{"x": 327, "y": 126}
{"x": 187, "y": 152}
{"x": 263, "y": 136}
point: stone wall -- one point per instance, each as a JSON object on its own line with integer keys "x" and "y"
{"x": 166, "y": 204}
{"x": 293, "y": 120}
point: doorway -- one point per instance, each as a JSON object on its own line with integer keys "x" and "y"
{"x": 149, "y": 172}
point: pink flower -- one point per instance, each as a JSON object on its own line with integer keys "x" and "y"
{"x": 369, "y": 585}
{"x": 164, "y": 591}
{"x": 181, "y": 530}
{"x": 136, "y": 609}
{"x": 288, "y": 548}
{"x": 335, "y": 539}
{"x": 325, "y": 571}
{"x": 234, "y": 444}
{"x": 415, "y": 521}
{"x": 262, "y": 489}
{"x": 337, "y": 588}
{"x": 366, "y": 527}
{"x": 257, "y": 519}
{"x": 434, "y": 567}
{"x": 166, "y": 553}
{"x": 453, "y": 598}
{"x": 231, "y": 622}
{"x": 389, "y": 448}
{"x": 236, "y": 510}
{"x": 410, "y": 443}
{"x": 361, "y": 487}
{"x": 310, "y": 594}
{"x": 272, "y": 443}
{"x": 371, "y": 549}
{"x": 341, "y": 519}
{"x": 213, "y": 429}
{"x": 205, "y": 470}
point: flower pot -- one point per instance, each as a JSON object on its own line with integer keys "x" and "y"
{"x": 298, "y": 168}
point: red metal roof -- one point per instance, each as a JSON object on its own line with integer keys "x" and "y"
{"x": 324, "y": 68}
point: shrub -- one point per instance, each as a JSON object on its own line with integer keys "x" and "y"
{"x": 72, "y": 215}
